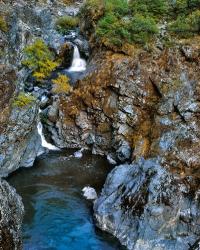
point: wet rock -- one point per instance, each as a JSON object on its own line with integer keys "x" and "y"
{"x": 21, "y": 142}
{"x": 83, "y": 46}
{"x": 191, "y": 52}
{"x": 53, "y": 112}
{"x": 150, "y": 101}
{"x": 112, "y": 159}
{"x": 89, "y": 193}
{"x": 82, "y": 121}
{"x": 11, "y": 214}
{"x": 146, "y": 207}
{"x": 124, "y": 152}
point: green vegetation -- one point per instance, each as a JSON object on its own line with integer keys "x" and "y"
{"x": 40, "y": 60}
{"x": 138, "y": 21}
{"x": 186, "y": 26}
{"x": 23, "y": 99}
{"x": 3, "y": 24}
{"x": 66, "y": 23}
{"x": 61, "y": 84}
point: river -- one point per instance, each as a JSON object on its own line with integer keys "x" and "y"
{"x": 57, "y": 216}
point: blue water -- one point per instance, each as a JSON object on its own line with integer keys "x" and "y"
{"x": 57, "y": 215}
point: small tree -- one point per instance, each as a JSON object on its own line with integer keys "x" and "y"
{"x": 186, "y": 26}
{"x": 61, "y": 84}
{"x": 3, "y": 25}
{"x": 143, "y": 28}
{"x": 23, "y": 100}
{"x": 40, "y": 60}
{"x": 66, "y": 23}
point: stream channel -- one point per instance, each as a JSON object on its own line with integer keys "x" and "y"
{"x": 57, "y": 215}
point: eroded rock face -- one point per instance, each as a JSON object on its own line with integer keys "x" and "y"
{"x": 11, "y": 214}
{"x": 20, "y": 142}
{"x": 7, "y": 88}
{"x": 27, "y": 21}
{"x": 147, "y": 207}
{"x": 149, "y": 100}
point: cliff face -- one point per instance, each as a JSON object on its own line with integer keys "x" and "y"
{"x": 11, "y": 214}
{"x": 149, "y": 100}
{"x": 19, "y": 141}
{"x": 131, "y": 105}
{"x": 141, "y": 106}
{"x": 25, "y": 21}
{"x": 147, "y": 207}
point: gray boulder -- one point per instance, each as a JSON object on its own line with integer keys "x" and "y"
{"x": 146, "y": 207}
{"x": 11, "y": 214}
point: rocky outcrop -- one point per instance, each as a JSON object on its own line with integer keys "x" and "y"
{"x": 27, "y": 21}
{"x": 150, "y": 100}
{"x": 11, "y": 214}
{"x": 7, "y": 89}
{"x": 134, "y": 107}
{"x": 20, "y": 142}
{"x": 147, "y": 207}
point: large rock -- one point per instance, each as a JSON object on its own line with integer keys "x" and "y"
{"x": 11, "y": 214}
{"x": 150, "y": 100}
{"x": 20, "y": 142}
{"x": 148, "y": 208}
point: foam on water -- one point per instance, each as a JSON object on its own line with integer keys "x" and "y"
{"x": 78, "y": 63}
{"x": 45, "y": 144}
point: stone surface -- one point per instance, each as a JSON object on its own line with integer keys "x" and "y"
{"x": 11, "y": 214}
{"x": 151, "y": 101}
{"x": 20, "y": 142}
{"x": 147, "y": 207}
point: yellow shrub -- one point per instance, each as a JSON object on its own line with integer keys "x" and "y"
{"x": 23, "y": 99}
{"x": 40, "y": 60}
{"x": 61, "y": 84}
{"x": 3, "y": 25}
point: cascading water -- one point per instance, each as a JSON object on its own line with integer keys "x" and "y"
{"x": 45, "y": 144}
{"x": 78, "y": 63}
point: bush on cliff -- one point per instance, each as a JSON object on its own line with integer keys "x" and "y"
{"x": 155, "y": 8}
{"x": 23, "y": 100}
{"x": 61, "y": 85}
{"x": 138, "y": 21}
{"x": 3, "y": 25}
{"x": 40, "y": 60}
{"x": 186, "y": 26}
{"x": 66, "y": 23}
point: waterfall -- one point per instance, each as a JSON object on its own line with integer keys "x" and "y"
{"x": 45, "y": 144}
{"x": 78, "y": 64}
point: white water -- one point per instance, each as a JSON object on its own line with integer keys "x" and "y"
{"x": 89, "y": 193}
{"x": 78, "y": 154}
{"x": 45, "y": 144}
{"x": 78, "y": 63}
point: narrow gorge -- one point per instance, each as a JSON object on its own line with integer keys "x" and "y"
{"x": 100, "y": 125}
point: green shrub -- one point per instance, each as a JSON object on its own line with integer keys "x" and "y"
{"x": 139, "y": 29}
{"x": 3, "y": 25}
{"x": 66, "y": 23}
{"x": 182, "y": 7}
{"x": 111, "y": 30}
{"x": 186, "y": 26}
{"x": 119, "y": 7}
{"x": 193, "y": 4}
{"x": 93, "y": 8}
{"x": 39, "y": 59}
{"x": 138, "y": 21}
{"x": 120, "y": 24}
{"x": 154, "y": 8}
{"x": 143, "y": 29}
{"x": 23, "y": 99}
